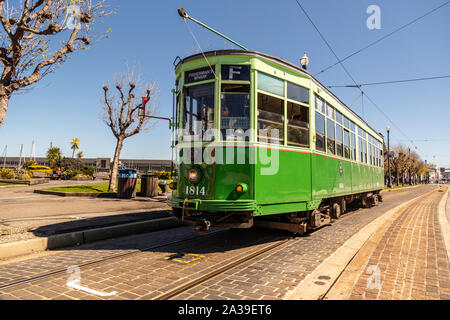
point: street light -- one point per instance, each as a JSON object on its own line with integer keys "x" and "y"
{"x": 304, "y": 61}
{"x": 389, "y": 159}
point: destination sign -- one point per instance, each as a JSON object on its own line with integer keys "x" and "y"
{"x": 235, "y": 72}
{"x": 199, "y": 75}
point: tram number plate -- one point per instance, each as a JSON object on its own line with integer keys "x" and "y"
{"x": 195, "y": 190}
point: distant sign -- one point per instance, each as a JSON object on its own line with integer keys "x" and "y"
{"x": 199, "y": 75}
{"x": 236, "y": 72}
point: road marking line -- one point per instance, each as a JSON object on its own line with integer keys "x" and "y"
{"x": 75, "y": 285}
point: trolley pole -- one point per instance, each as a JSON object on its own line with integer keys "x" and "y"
{"x": 389, "y": 160}
{"x": 185, "y": 16}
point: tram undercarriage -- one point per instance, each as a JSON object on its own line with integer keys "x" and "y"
{"x": 296, "y": 222}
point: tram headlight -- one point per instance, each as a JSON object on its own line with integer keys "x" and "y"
{"x": 241, "y": 188}
{"x": 193, "y": 175}
{"x": 173, "y": 185}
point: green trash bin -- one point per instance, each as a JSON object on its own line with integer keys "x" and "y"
{"x": 126, "y": 188}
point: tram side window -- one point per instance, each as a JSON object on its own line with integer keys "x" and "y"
{"x": 270, "y": 119}
{"x": 346, "y": 144}
{"x": 235, "y": 112}
{"x": 331, "y": 145}
{"x": 339, "y": 140}
{"x": 320, "y": 132}
{"x": 198, "y": 117}
{"x": 365, "y": 150}
{"x": 298, "y": 125}
{"x": 297, "y": 93}
{"x": 338, "y": 117}
{"x": 353, "y": 145}
{"x": 361, "y": 149}
{"x": 320, "y": 104}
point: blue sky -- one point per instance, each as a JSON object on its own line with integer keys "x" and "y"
{"x": 66, "y": 104}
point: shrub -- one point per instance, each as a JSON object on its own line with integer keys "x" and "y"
{"x": 7, "y": 173}
{"x": 22, "y": 174}
{"x": 69, "y": 164}
{"x": 88, "y": 171}
{"x": 164, "y": 175}
{"x": 29, "y": 163}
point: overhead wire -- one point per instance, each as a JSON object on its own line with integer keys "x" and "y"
{"x": 389, "y": 82}
{"x": 198, "y": 44}
{"x": 384, "y": 37}
{"x": 350, "y": 76}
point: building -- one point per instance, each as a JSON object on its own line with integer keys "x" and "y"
{"x": 101, "y": 164}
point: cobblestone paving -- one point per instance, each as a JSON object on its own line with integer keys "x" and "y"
{"x": 411, "y": 258}
{"x": 26, "y": 269}
{"x": 269, "y": 276}
{"x": 272, "y": 276}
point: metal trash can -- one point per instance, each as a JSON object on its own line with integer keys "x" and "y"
{"x": 127, "y": 183}
{"x": 149, "y": 185}
{"x": 163, "y": 185}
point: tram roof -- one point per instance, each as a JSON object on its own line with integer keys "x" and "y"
{"x": 278, "y": 61}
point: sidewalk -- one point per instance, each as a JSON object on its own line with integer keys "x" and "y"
{"x": 406, "y": 260}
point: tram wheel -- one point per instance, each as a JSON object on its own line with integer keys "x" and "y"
{"x": 336, "y": 212}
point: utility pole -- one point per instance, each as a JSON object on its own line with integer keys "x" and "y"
{"x": 4, "y": 156}
{"x": 389, "y": 160}
{"x": 20, "y": 156}
{"x": 409, "y": 157}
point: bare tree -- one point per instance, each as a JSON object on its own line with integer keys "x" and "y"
{"x": 125, "y": 114}
{"x": 39, "y": 35}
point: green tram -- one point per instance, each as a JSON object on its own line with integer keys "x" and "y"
{"x": 260, "y": 141}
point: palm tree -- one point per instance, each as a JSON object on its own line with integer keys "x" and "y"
{"x": 80, "y": 155}
{"x": 75, "y": 145}
{"x": 54, "y": 156}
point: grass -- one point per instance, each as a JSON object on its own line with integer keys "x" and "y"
{"x": 8, "y": 184}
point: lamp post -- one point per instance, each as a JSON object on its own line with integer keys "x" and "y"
{"x": 426, "y": 176}
{"x": 389, "y": 160}
{"x": 304, "y": 61}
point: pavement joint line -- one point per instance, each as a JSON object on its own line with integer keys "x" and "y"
{"x": 333, "y": 268}
{"x": 19, "y": 248}
{"x": 82, "y": 214}
{"x": 445, "y": 224}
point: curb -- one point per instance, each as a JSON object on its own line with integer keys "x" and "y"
{"x": 445, "y": 225}
{"x": 19, "y": 248}
{"x": 27, "y": 182}
{"x": 317, "y": 284}
{"x": 78, "y": 194}
{"x": 404, "y": 188}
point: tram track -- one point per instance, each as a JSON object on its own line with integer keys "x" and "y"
{"x": 190, "y": 284}
{"x": 95, "y": 262}
{"x": 194, "y": 283}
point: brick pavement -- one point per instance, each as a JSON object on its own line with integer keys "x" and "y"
{"x": 269, "y": 276}
{"x": 410, "y": 260}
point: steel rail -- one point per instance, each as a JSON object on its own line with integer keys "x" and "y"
{"x": 100, "y": 261}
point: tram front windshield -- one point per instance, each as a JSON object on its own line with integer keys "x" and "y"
{"x": 198, "y": 118}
